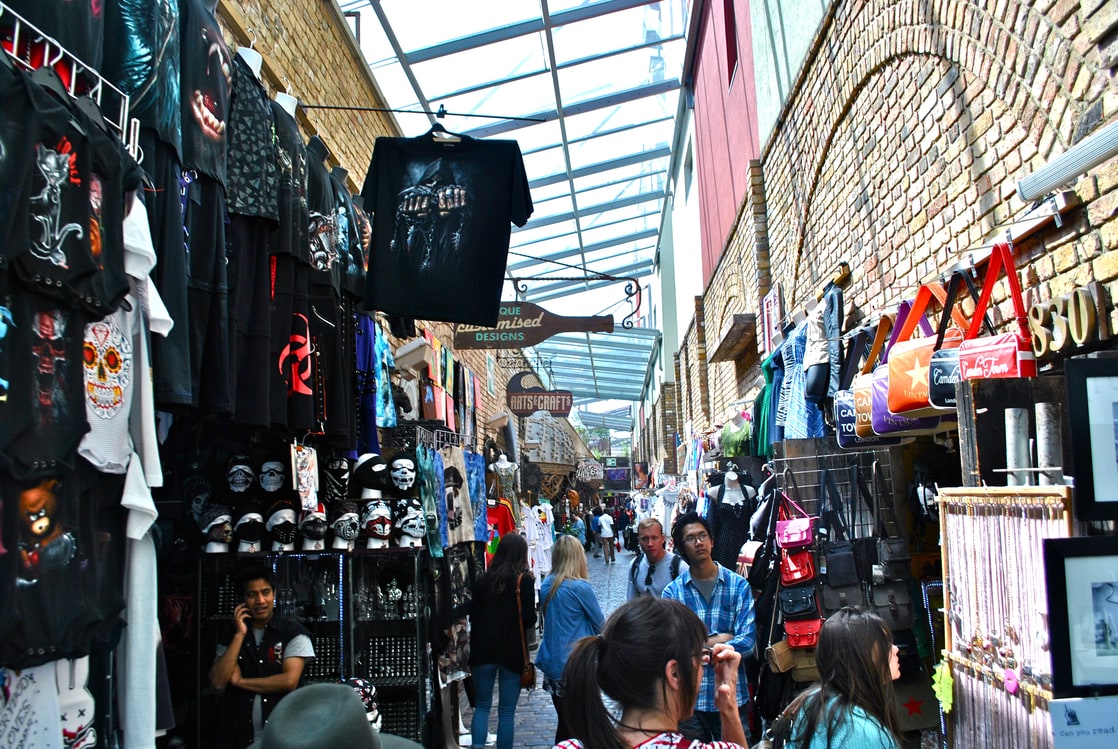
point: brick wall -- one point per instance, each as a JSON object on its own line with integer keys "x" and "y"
{"x": 310, "y": 52}
{"x": 900, "y": 150}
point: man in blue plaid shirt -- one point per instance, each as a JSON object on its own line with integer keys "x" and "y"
{"x": 724, "y": 601}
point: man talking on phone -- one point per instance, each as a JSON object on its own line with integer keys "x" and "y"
{"x": 260, "y": 658}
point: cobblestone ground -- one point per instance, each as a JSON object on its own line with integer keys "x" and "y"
{"x": 535, "y": 716}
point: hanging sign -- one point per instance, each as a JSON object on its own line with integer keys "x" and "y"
{"x": 589, "y": 470}
{"x": 525, "y": 395}
{"x": 522, "y": 324}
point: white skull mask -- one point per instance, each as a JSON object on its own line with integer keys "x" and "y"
{"x": 239, "y": 476}
{"x": 107, "y": 356}
{"x": 272, "y": 476}
{"x": 403, "y": 473}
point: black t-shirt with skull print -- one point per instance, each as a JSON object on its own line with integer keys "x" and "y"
{"x": 441, "y": 226}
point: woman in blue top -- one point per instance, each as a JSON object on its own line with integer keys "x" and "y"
{"x": 570, "y": 612}
{"x": 853, "y": 707}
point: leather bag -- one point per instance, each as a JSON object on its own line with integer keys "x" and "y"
{"x": 1006, "y": 355}
{"x": 779, "y": 656}
{"x": 893, "y": 603}
{"x": 794, "y": 531}
{"x": 845, "y": 400}
{"x": 892, "y": 548}
{"x": 943, "y": 367}
{"x": 798, "y": 603}
{"x": 861, "y": 386}
{"x": 838, "y": 553}
{"x": 834, "y": 598}
{"x": 909, "y": 358}
{"x": 528, "y": 675}
{"x": 803, "y": 633}
{"x": 804, "y": 669}
{"x": 796, "y": 566}
{"x": 883, "y": 421}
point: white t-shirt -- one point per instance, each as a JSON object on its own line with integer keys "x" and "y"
{"x": 605, "y": 525}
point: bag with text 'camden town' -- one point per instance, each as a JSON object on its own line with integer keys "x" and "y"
{"x": 1006, "y": 355}
{"x": 943, "y": 368}
{"x": 909, "y": 357}
{"x": 845, "y": 401}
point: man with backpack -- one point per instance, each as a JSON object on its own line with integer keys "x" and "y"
{"x": 652, "y": 568}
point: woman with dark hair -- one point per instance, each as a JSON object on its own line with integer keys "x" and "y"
{"x": 495, "y": 632}
{"x": 853, "y": 706}
{"x": 649, "y": 659}
{"x": 570, "y": 611}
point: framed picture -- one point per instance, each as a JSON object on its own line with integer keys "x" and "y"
{"x": 1092, "y": 390}
{"x": 1082, "y": 577}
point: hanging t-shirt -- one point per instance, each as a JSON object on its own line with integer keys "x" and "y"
{"x": 252, "y": 188}
{"x": 205, "y": 84}
{"x": 142, "y": 56}
{"x": 475, "y": 476}
{"x": 78, "y": 26}
{"x": 441, "y": 235}
{"x": 385, "y": 363}
{"x": 457, "y": 506}
{"x": 29, "y": 714}
{"x": 291, "y": 161}
{"x": 500, "y": 521}
{"x": 323, "y": 226}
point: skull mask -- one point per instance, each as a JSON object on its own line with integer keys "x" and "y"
{"x": 336, "y": 475}
{"x": 272, "y": 476}
{"x": 403, "y": 473}
{"x": 239, "y": 476}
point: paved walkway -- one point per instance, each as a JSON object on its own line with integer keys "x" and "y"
{"x": 535, "y": 715}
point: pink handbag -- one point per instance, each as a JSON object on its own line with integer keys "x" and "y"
{"x": 794, "y": 531}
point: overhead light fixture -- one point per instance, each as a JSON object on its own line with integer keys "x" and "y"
{"x": 1080, "y": 158}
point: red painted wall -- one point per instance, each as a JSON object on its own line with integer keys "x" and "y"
{"x": 726, "y": 136}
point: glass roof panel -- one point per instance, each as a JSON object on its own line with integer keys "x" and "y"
{"x": 613, "y": 216}
{"x": 545, "y": 163}
{"x": 420, "y": 25}
{"x": 606, "y": 193}
{"x": 651, "y": 109}
{"x": 537, "y": 136}
{"x": 527, "y": 95}
{"x": 600, "y": 77}
{"x": 553, "y": 207}
{"x": 543, "y": 192}
{"x": 613, "y": 231}
{"x": 530, "y": 234}
{"x": 493, "y": 64}
{"x": 624, "y": 28}
{"x": 621, "y": 174}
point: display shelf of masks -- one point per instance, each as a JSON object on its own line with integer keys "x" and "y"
{"x": 1000, "y": 672}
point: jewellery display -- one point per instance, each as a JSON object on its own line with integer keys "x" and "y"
{"x": 995, "y": 601}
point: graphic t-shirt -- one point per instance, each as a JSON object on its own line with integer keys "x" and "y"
{"x": 291, "y": 160}
{"x": 206, "y": 77}
{"x": 79, "y": 26}
{"x": 441, "y": 229}
{"x": 142, "y": 60}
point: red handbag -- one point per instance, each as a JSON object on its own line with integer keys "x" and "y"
{"x": 796, "y": 566}
{"x": 1006, "y": 355}
{"x": 803, "y": 633}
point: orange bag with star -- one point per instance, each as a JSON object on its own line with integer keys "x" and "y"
{"x": 909, "y": 358}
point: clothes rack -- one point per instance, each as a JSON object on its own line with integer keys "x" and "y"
{"x": 27, "y": 40}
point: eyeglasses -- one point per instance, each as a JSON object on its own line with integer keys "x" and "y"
{"x": 698, "y": 538}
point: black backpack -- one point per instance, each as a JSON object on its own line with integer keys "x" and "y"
{"x": 676, "y": 559}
